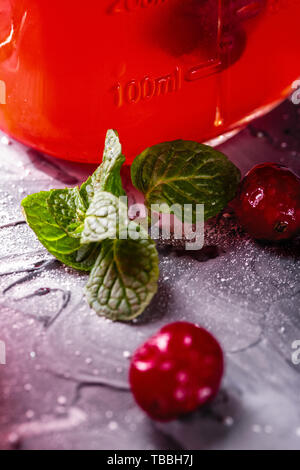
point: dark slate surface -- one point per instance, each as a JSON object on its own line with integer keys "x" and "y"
{"x": 65, "y": 382}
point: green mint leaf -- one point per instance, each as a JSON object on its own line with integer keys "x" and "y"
{"x": 107, "y": 176}
{"x": 40, "y": 219}
{"x": 123, "y": 279}
{"x": 53, "y": 237}
{"x": 103, "y": 218}
{"x": 68, "y": 210}
{"x": 185, "y": 172}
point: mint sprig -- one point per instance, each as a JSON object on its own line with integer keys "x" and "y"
{"x": 82, "y": 228}
{"x": 88, "y": 229}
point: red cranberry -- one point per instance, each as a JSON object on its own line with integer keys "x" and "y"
{"x": 268, "y": 202}
{"x": 176, "y": 371}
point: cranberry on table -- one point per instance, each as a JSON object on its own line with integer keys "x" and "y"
{"x": 268, "y": 203}
{"x": 176, "y": 371}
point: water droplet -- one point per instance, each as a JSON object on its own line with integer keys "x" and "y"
{"x": 5, "y": 140}
{"x": 260, "y": 134}
{"x": 126, "y": 354}
{"x": 29, "y": 414}
{"x": 61, "y": 400}
{"x": 13, "y": 439}
{"x": 228, "y": 421}
{"x": 180, "y": 394}
{"x": 27, "y": 387}
{"x": 256, "y": 428}
{"x": 166, "y": 365}
{"x": 182, "y": 377}
{"x": 187, "y": 341}
{"x": 113, "y": 426}
{"x": 204, "y": 393}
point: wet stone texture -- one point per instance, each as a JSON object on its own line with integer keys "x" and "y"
{"x": 65, "y": 384}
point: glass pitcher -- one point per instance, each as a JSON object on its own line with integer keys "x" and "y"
{"x": 154, "y": 70}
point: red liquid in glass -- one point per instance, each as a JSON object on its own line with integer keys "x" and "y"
{"x": 155, "y": 70}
